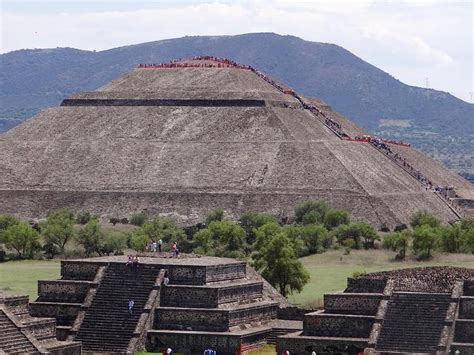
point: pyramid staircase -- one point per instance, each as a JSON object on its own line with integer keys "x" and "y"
{"x": 22, "y": 333}
{"x": 413, "y": 322}
{"x": 13, "y": 341}
{"x": 108, "y": 326}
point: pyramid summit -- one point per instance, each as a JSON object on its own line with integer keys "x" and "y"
{"x": 195, "y": 134}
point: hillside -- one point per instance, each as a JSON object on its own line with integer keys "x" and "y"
{"x": 34, "y": 79}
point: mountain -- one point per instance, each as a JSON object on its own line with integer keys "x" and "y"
{"x": 34, "y": 79}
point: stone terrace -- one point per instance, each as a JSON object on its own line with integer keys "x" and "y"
{"x": 411, "y": 311}
{"x": 209, "y": 301}
{"x": 22, "y": 333}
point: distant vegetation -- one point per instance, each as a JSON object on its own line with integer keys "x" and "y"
{"x": 272, "y": 246}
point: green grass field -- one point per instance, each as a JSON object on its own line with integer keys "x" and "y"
{"x": 328, "y": 271}
{"x": 20, "y": 277}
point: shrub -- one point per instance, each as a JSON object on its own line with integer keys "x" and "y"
{"x": 114, "y": 242}
{"x": 250, "y": 221}
{"x": 335, "y": 217}
{"x": 91, "y": 237}
{"x": 124, "y": 220}
{"x": 425, "y": 240}
{"x": 398, "y": 242}
{"x": 22, "y": 238}
{"x": 421, "y": 218}
{"x": 83, "y": 217}
{"x": 139, "y": 241}
{"x": 313, "y": 210}
{"x": 138, "y": 219}
{"x": 114, "y": 220}
{"x": 215, "y": 215}
{"x": 58, "y": 229}
{"x": 400, "y": 227}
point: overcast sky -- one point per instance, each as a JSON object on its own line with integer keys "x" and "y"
{"x": 417, "y": 41}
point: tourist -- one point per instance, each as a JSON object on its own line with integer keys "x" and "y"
{"x": 169, "y": 351}
{"x": 136, "y": 261}
{"x": 129, "y": 261}
{"x": 154, "y": 246}
{"x": 160, "y": 243}
{"x": 131, "y": 303}
{"x": 174, "y": 246}
{"x": 166, "y": 279}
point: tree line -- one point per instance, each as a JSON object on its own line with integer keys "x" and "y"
{"x": 271, "y": 245}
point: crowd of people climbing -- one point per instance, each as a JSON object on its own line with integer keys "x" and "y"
{"x": 378, "y": 143}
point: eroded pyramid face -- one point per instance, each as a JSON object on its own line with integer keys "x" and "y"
{"x": 199, "y": 135}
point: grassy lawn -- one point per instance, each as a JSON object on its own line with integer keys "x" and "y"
{"x": 330, "y": 270}
{"x": 20, "y": 277}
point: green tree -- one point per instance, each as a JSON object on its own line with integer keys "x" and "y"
{"x": 7, "y": 221}
{"x": 308, "y": 239}
{"x": 138, "y": 219}
{"x": 467, "y": 236}
{"x": 58, "y": 229}
{"x": 450, "y": 238}
{"x": 421, "y": 218}
{"x": 311, "y": 212}
{"x": 278, "y": 264}
{"x": 215, "y": 215}
{"x": 163, "y": 228}
{"x": 425, "y": 240}
{"x": 22, "y": 238}
{"x": 83, "y": 217}
{"x": 91, "y": 237}
{"x": 224, "y": 238}
{"x": 362, "y": 233}
{"x": 250, "y": 221}
{"x": 335, "y": 217}
{"x": 398, "y": 242}
{"x": 139, "y": 240}
{"x": 114, "y": 242}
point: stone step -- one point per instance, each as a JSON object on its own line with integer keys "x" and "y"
{"x": 413, "y": 322}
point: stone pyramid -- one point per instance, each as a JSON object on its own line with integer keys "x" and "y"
{"x": 195, "y": 134}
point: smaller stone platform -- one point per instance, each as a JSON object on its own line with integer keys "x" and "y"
{"x": 410, "y": 311}
{"x": 23, "y": 334}
{"x": 209, "y": 301}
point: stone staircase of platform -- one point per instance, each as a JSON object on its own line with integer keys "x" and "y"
{"x": 413, "y": 322}
{"x": 463, "y": 339}
{"x": 12, "y": 339}
{"x": 108, "y": 326}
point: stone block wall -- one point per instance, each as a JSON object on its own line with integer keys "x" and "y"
{"x": 333, "y": 325}
{"x": 188, "y": 275}
{"x": 253, "y": 313}
{"x": 63, "y": 291}
{"x": 16, "y": 304}
{"x": 468, "y": 288}
{"x": 464, "y": 331}
{"x": 466, "y": 307}
{"x": 303, "y": 345}
{"x": 352, "y": 303}
{"x": 79, "y": 270}
{"x": 225, "y": 272}
{"x": 365, "y": 285}
{"x": 165, "y": 102}
{"x": 65, "y": 313}
{"x": 236, "y": 293}
{"x": 188, "y": 296}
{"x": 186, "y": 342}
{"x": 191, "y": 319}
{"x": 43, "y": 328}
